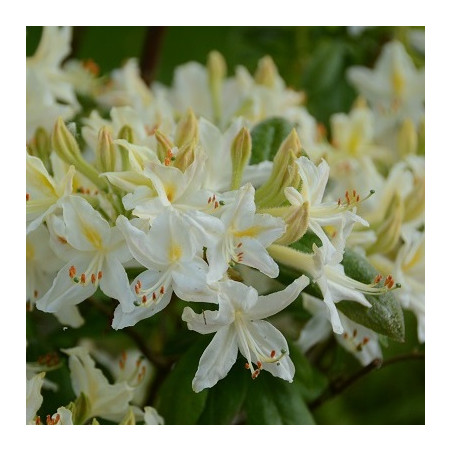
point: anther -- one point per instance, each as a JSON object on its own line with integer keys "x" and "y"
{"x": 35, "y": 293}
{"x": 259, "y": 365}
{"x": 83, "y": 278}
{"x": 99, "y": 275}
{"x": 377, "y": 279}
{"x": 137, "y": 289}
{"x": 162, "y": 290}
{"x": 144, "y": 299}
{"x": 209, "y": 200}
{"x": 93, "y": 278}
{"x": 72, "y": 271}
{"x": 154, "y": 296}
{"x": 216, "y": 205}
{"x": 272, "y": 354}
{"x": 345, "y": 335}
{"x": 28, "y": 196}
{"x": 247, "y": 366}
{"x": 365, "y": 340}
{"x": 255, "y": 374}
{"x": 355, "y": 333}
{"x": 239, "y": 245}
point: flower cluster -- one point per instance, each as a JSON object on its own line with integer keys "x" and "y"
{"x": 157, "y": 196}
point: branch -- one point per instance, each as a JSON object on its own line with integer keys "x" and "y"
{"x": 150, "y": 53}
{"x": 339, "y": 385}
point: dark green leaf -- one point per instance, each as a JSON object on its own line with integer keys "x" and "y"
{"x": 385, "y": 316}
{"x": 267, "y": 137}
{"x": 312, "y": 382}
{"x": 273, "y": 401}
{"x": 226, "y": 398}
{"x": 177, "y": 402}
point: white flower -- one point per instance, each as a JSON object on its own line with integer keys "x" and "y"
{"x": 325, "y": 269}
{"x": 322, "y": 214}
{"x": 49, "y": 92}
{"x": 246, "y": 237}
{"x": 170, "y": 255}
{"x": 238, "y": 326}
{"x": 109, "y": 401}
{"x": 357, "y": 339}
{"x": 151, "y": 417}
{"x": 44, "y": 194}
{"x": 94, "y": 253}
{"x": 395, "y": 88}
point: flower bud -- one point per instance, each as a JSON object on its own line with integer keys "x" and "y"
{"x": 281, "y": 176}
{"x": 216, "y": 70}
{"x": 126, "y": 133}
{"x": 105, "y": 151}
{"x": 185, "y": 156}
{"x": 40, "y": 147}
{"x": 164, "y": 146}
{"x": 64, "y": 143}
{"x": 388, "y": 232}
{"x": 407, "y": 142}
{"x": 187, "y": 129}
{"x": 266, "y": 72}
{"x": 81, "y": 409}
{"x": 129, "y": 418}
{"x": 240, "y": 156}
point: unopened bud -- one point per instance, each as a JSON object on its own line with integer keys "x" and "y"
{"x": 129, "y": 418}
{"x": 296, "y": 218}
{"x": 187, "y": 129}
{"x": 105, "y": 151}
{"x": 185, "y": 156}
{"x": 407, "y": 142}
{"x": 240, "y": 156}
{"x": 164, "y": 146}
{"x": 126, "y": 133}
{"x": 266, "y": 72}
{"x": 40, "y": 147}
{"x": 388, "y": 232}
{"x": 290, "y": 144}
{"x": 81, "y": 409}
{"x": 65, "y": 144}
{"x": 217, "y": 70}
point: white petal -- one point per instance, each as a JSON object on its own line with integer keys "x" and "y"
{"x": 189, "y": 280}
{"x": 269, "y": 305}
{"x": 217, "y": 359}
{"x": 115, "y": 283}
{"x": 209, "y": 321}
{"x": 255, "y": 255}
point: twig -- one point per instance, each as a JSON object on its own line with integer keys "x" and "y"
{"x": 338, "y": 386}
{"x": 150, "y": 53}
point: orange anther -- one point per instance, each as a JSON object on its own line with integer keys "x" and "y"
{"x": 209, "y": 200}
{"x": 162, "y": 290}
{"x": 28, "y": 196}
{"x": 259, "y": 364}
{"x": 345, "y": 335}
{"x": 99, "y": 275}
{"x": 83, "y": 278}
{"x": 355, "y": 333}
{"x": 247, "y": 366}
{"x": 154, "y": 296}
{"x": 239, "y": 245}
{"x": 365, "y": 340}
{"x": 272, "y": 354}
{"x": 91, "y": 66}
{"x": 216, "y": 205}
{"x": 93, "y": 278}
{"x": 35, "y": 293}
{"x": 357, "y": 198}
{"x": 255, "y": 374}
{"x": 144, "y": 299}
{"x": 72, "y": 271}
{"x": 137, "y": 289}
{"x": 38, "y": 420}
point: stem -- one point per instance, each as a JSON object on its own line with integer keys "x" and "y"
{"x": 338, "y": 386}
{"x": 150, "y": 53}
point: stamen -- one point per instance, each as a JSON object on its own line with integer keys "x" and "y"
{"x": 62, "y": 239}
{"x": 255, "y": 374}
{"x": 272, "y": 354}
{"x": 35, "y": 293}
{"x": 38, "y": 420}
{"x": 239, "y": 245}
{"x": 83, "y": 278}
{"x": 72, "y": 272}
{"x": 216, "y": 205}
{"x": 259, "y": 365}
{"x": 137, "y": 289}
{"x": 162, "y": 290}
{"x": 153, "y": 296}
{"x": 99, "y": 275}
{"x": 144, "y": 299}
{"x": 93, "y": 278}
{"x": 247, "y": 366}
{"x": 365, "y": 340}
{"x": 355, "y": 333}
{"x": 28, "y": 196}
{"x": 209, "y": 200}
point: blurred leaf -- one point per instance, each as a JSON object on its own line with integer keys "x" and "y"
{"x": 177, "y": 403}
{"x": 226, "y": 398}
{"x": 267, "y": 137}
{"x": 312, "y": 382}
{"x": 273, "y": 401}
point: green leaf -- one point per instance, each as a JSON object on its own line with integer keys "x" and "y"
{"x": 177, "y": 403}
{"x": 266, "y": 137}
{"x": 226, "y": 398}
{"x": 312, "y": 382}
{"x": 386, "y": 315}
{"x": 273, "y": 401}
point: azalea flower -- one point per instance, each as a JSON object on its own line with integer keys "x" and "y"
{"x": 340, "y": 215}
{"x": 171, "y": 258}
{"x": 246, "y": 237}
{"x": 326, "y": 270}
{"x": 34, "y": 398}
{"x": 44, "y": 194}
{"x": 94, "y": 253}
{"x": 238, "y": 326}
{"x": 109, "y": 401}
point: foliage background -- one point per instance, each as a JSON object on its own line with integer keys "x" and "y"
{"x": 313, "y": 59}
